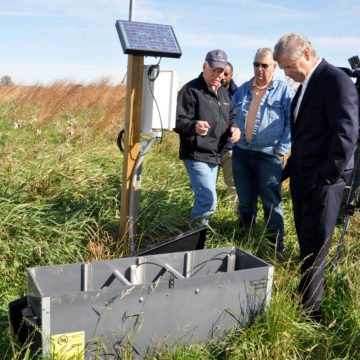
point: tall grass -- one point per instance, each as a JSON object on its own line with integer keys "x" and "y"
{"x": 101, "y": 104}
{"x": 60, "y": 186}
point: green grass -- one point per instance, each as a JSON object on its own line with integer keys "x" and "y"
{"x": 60, "y": 186}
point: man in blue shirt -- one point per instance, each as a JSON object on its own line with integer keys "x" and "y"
{"x": 262, "y": 106}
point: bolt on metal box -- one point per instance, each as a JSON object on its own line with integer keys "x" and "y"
{"x": 139, "y": 304}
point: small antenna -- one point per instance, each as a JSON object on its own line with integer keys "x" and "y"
{"x": 131, "y": 10}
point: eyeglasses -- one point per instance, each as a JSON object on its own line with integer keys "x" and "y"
{"x": 257, "y": 64}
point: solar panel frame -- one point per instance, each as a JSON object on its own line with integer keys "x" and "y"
{"x": 147, "y": 39}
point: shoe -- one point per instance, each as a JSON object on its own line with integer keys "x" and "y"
{"x": 312, "y": 315}
{"x": 315, "y": 315}
{"x": 243, "y": 230}
{"x": 200, "y": 220}
{"x": 280, "y": 247}
{"x": 279, "y": 253}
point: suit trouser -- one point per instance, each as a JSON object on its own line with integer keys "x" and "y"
{"x": 315, "y": 213}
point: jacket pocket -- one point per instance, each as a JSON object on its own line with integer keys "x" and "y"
{"x": 188, "y": 145}
{"x": 273, "y": 122}
{"x": 274, "y": 109}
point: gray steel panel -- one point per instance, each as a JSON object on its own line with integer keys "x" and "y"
{"x": 162, "y": 309}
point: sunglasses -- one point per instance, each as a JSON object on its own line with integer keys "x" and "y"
{"x": 257, "y": 64}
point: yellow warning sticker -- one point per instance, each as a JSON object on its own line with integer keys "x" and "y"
{"x": 68, "y": 346}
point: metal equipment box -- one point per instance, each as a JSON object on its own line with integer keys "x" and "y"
{"x": 159, "y": 99}
{"x": 137, "y": 305}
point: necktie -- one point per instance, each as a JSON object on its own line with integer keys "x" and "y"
{"x": 296, "y": 102}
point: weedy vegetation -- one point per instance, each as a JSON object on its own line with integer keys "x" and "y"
{"x": 60, "y": 186}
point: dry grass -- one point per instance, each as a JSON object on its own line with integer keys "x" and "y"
{"x": 101, "y": 103}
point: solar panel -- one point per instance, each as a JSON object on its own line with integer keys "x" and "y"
{"x": 147, "y": 39}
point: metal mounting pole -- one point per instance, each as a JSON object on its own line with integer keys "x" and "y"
{"x": 131, "y": 10}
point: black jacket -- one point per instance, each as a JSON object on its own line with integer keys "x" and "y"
{"x": 232, "y": 88}
{"x": 198, "y": 101}
{"x": 324, "y": 135}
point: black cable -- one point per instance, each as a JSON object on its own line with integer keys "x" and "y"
{"x": 196, "y": 267}
{"x": 120, "y": 140}
{"x": 152, "y": 74}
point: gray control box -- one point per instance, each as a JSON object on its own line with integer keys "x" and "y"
{"x": 138, "y": 304}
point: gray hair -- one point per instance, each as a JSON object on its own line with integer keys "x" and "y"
{"x": 264, "y": 52}
{"x": 293, "y": 46}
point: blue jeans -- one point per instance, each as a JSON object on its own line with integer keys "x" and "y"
{"x": 203, "y": 182}
{"x": 259, "y": 174}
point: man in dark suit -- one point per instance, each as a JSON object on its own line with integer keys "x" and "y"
{"x": 324, "y": 128}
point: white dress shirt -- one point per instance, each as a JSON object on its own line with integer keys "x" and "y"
{"x": 304, "y": 86}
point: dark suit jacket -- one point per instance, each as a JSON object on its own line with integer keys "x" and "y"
{"x": 325, "y": 133}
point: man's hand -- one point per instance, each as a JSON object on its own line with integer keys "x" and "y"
{"x": 235, "y": 134}
{"x": 202, "y": 127}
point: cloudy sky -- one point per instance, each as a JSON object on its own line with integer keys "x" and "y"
{"x": 48, "y": 40}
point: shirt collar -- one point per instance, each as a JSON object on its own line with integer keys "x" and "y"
{"x": 306, "y": 81}
{"x": 269, "y": 85}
